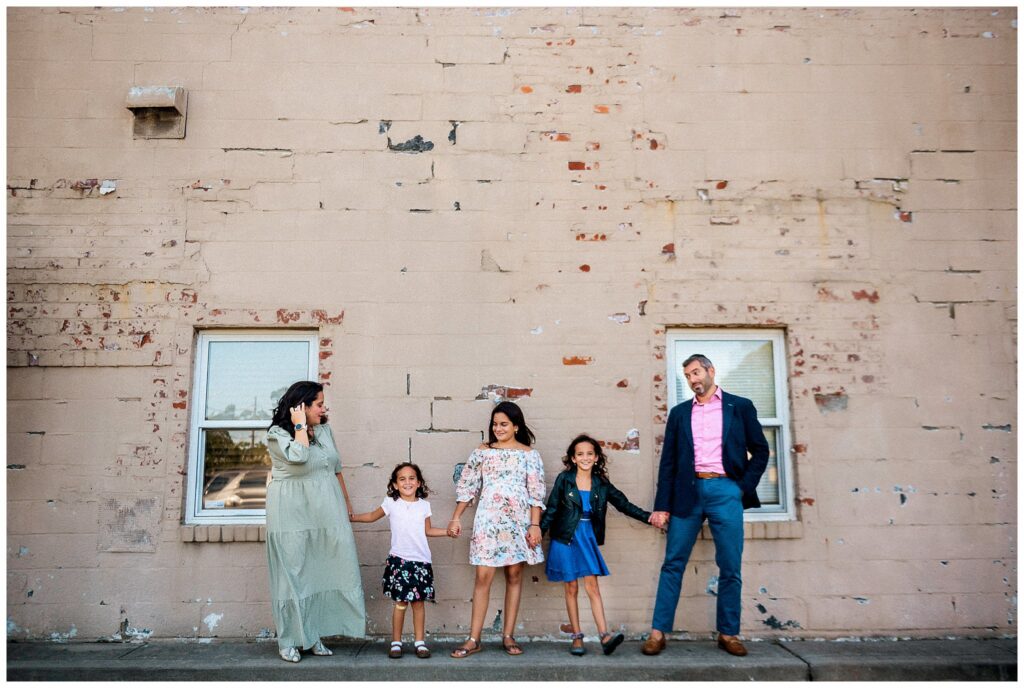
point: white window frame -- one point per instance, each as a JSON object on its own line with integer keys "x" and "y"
{"x": 786, "y": 511}
{"x": 194, "y": 512}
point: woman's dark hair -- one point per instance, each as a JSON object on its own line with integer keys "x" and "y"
{"x": 515, "y": 414}
{"x": 302, "y": 392}
{"x": 421, "y": 491}
{"x": 600, "y": 468}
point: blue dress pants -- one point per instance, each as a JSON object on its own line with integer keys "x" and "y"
{"x": 720, "y": 501}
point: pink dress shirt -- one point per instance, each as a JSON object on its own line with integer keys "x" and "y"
{"x": 706, "y": 422}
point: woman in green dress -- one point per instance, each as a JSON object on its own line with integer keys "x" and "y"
{"x": 315, "y": 587}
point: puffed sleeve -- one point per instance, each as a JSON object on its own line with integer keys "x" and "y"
{"x": 281, "y": 446}
{"x": 471, "y": 479}
{"x": 535, "y": 478}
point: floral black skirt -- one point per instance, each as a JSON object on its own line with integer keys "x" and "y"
{"x": 407, "y": 581}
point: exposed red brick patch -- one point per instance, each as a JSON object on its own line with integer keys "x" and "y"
{"x": 285, "y": 316}
{"x": 593, "y": 145}
{"x": 577, "y": 165}
{"x": 622, "y": 383}
{"x": 799, "y": 448}
{"x": 832, "y": 401}
{"x": 322, "y": 317}
{"x": 905, "y": 216}
{"x": 600, "y": 187}
{"x": 669, "y": 250}
{"x": 864, "y": 295}
{"x": 852, "y": 358}
{"x": 502, "y": 392}
{"x": 179, "y": 404}
{"x": 601, "y": 109}
{"x": 563, "y": 137}
{"x": 809, "y": 501}
{"x": 526, "y": 89}
{"x": 574, "y": 88}
{"x": 584, "y": 268}
{"x": 654, "y": 145}
{"x": 594, "y": 237}
{"x": 826, "y": 294}
{"x": 184, "y": 296}
{"x": 658, "y": 377}
{"x": 324, "y": 355}
{"x": 85, "y": 184}
{"x": 632, "y": 443}
{"x": 577, "y": 360}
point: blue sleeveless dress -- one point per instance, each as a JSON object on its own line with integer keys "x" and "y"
{"x": 581, "y": 557}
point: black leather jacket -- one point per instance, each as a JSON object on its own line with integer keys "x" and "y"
{"x": 565, "y": 507}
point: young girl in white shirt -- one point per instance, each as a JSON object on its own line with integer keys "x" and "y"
{"x": 408, "y": 576}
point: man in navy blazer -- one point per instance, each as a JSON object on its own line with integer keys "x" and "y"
{"x": 705, "y": 473}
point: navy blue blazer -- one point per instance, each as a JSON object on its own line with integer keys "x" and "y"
{"x": 741, "y": 433}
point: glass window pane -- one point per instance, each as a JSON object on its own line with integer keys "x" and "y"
{"x": 768, "y": 490}
{"x": 236, "y": 469}
{"x": 742, "y": 366}
{"x": 246, "y": 379}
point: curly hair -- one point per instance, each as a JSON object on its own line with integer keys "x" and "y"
{"x": 421, "y": 491}
{"x": 600, "y": 468}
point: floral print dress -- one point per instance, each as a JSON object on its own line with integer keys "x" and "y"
{"x": 507, "y": 483}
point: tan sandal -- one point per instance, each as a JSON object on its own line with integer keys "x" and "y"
{"x": 463, "y": 652}
{"x": 511, "y": 648}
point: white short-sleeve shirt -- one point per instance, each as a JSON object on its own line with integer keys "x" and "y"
{"x": 408, "y": 528}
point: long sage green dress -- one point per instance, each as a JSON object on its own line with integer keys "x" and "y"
{"x": 315, "y": 587}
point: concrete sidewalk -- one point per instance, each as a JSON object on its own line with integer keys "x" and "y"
{"x": 179, "y": 660}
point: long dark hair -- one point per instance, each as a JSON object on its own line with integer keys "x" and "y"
{"x": 515, "y": 414}
{"x": 421, "y": 491}
{"x": 302, "y": 392}
{"x": 600, "y": 468}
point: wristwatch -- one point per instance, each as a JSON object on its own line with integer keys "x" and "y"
{"x": 299, "y": 426}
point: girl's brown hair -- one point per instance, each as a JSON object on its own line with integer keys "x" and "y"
{"x": 600, "y": 468}
{"x": 421, "y": 491}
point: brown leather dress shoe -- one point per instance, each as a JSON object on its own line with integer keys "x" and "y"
{"x": 653, "y": 646}
{"x": 732, "y": 645}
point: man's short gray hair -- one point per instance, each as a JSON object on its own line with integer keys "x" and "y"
{"x": 704, "y": 361}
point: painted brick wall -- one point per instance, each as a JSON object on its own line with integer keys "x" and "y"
{"x": 592, "y": 178}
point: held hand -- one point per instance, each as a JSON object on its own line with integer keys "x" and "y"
{"x": 659, "y": 519}
{"x": 454, "y": 528}
{"x": 533, "y": 536}
{"x": 298, "y": 413}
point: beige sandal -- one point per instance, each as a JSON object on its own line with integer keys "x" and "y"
{"x": 290, "y": 654}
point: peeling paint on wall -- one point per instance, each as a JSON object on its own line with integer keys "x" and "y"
{"x": 211, "y": 620}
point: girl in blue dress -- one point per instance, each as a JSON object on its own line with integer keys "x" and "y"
{"x": 575, "y": 515}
